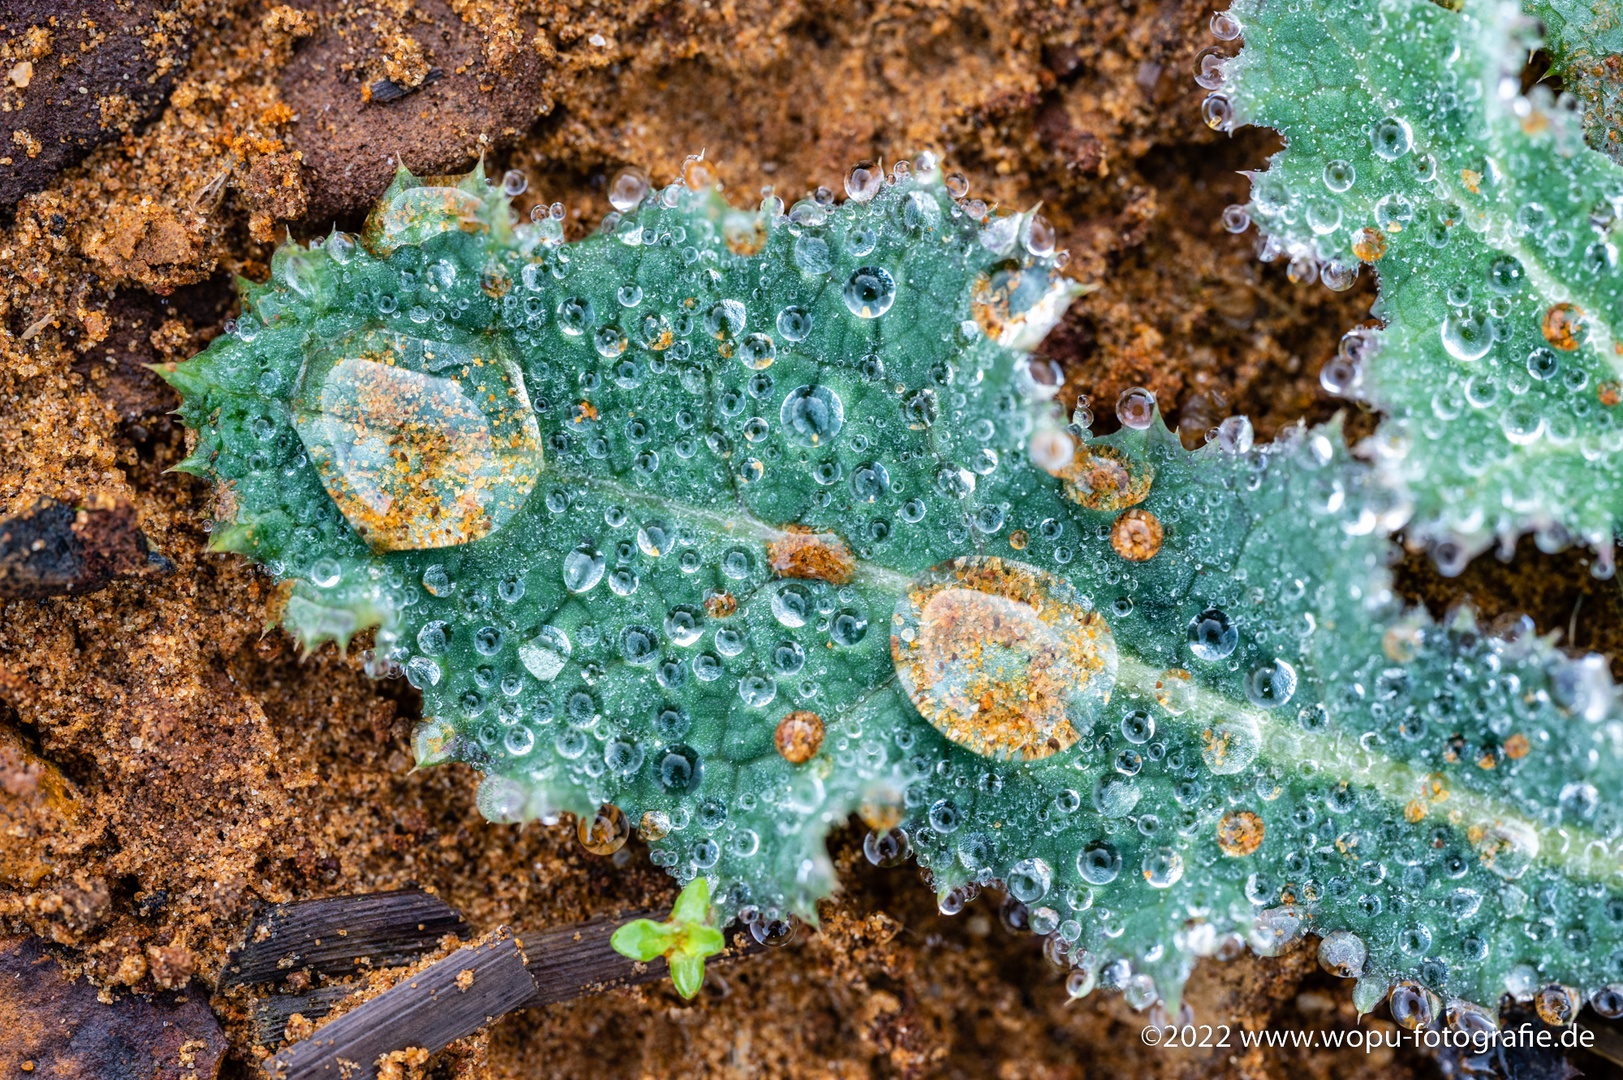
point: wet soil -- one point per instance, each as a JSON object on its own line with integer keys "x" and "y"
{"x": 198, "y": 767}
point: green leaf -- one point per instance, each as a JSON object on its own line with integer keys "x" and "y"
{"x": 1585, "y": 39}
{"x": 747, "y": 522}
{"x": 1495, "y": 233}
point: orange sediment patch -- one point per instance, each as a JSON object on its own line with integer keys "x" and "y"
{"x": 814, "y": 556}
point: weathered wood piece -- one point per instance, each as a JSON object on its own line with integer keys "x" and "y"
{"x": 444, "y": 1002}
{"x": 272, "y": 1013}
{"x": 341, "y": 935}
{"x": 573, "y": 961}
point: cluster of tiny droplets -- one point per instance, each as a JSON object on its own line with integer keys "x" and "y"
{"x": 1238, "y": 735}
{"x": 1494, "y": 229}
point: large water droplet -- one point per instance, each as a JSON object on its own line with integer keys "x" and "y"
{"x": 812, "y": 415}
{"x": 545, "y": 654}
{"x": 583, "y": 569}
{"x": 1391, "y": 138}
{"x": 1231, "y": 745}
{"x": 869, "y": 292}
{"x": 1467, "y": 334}
{"x": 421, "y": 444}
{"x": 1271, "y": 685}
{"x": 1001, "y": 657}
{"x": 1212, "y": 635}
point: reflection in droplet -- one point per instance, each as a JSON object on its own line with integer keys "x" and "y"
{"x": 869, "y": 292}
{"x": 812, "y": 415}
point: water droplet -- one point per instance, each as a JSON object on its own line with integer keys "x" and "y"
{"x": 1342, "y": 953}
{"x": 1271, "y": 685}
{"x": 1391, "y": 138}
{"x": 869, "y": 481}
{"x": 421, "y": 444}
{"x": 544, "y": 655}
{"x": 812, "y": 415}
{"x": 1225, "y": 27}
{"x": 869, "y": 292}
{"x": 757, "y": 691}
{"x": 848, "y": 627}
{"x": 1162, "y": 867}
{"x": 792, "y": 605}
{"x": 864, "y": 180}
{"x": 1564, "y": 326}
{"x": 1234, "y": 435}
{"x": 1218, "y": 112}
{"x": 889, "y": 848}
{"x": 1339, "y": 175}
{"x": 576, "y": 315}
{"x": 1136, "y": 535}
{"x": 1212, "y": 635}
{"x": 1135, "y": 408}
{"x": 794, "y": 323}
{"x": 1029, "y": 880}
{"x": 991, "y": 673}
{"x": 1098, "y": 863}
{"x": 811, "y": 254}
{"x": 681, "y": 770}
{"x": 1240, "y": 833}
{"x": 1230, "y": 746}
{"x": 1467, "y": 334}
{"x": 799, "y": 736}
{"x": 583, "y": 569}
{"x": 627, "y": 190}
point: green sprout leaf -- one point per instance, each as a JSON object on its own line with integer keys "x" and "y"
{"x": 684, "y": 939}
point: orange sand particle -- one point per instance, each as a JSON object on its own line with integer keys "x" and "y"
{"x": 1137, "y": 535}
{"x": 1239, "y": 833}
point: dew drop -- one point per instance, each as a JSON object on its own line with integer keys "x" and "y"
{"x": 1212, "y": 635}
{"x": 812, "y": 415}
{"x": 869, "y": 292}
{"x": 583, "y": 569}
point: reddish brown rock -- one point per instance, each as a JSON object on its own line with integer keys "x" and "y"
{"x": 372, "y": 89}
{"x": 71, "y": 83}
{"x": 53, "y": 1026}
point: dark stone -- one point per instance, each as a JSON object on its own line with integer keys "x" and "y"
{"x": 117, "y": 84}
{"x": 52, "y": 549}
{"x": 54, "y": 1026}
